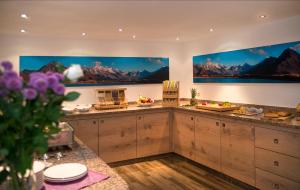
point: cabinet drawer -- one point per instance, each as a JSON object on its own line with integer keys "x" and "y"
{"x": 278, "y": 141}
{"x": 269, "y": 181}
{"x": 279, "y": 164}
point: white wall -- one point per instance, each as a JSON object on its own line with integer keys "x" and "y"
{"x": 180, "y": 55}
{"x": 13, "y": 47}
{"x": 282, "y": 31}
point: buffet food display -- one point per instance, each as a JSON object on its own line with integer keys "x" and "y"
{"x": 110, "y": 98}
{"x": 144, "y": 101}
{"x": 214, "y": 106}
{"x": 170, "y": 94}
{"x": 248, "y": 111}
{"x": 277, "y": 115}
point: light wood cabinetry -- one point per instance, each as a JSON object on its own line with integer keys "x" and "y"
{"x": 184, "y": 135}
{"x": 153, "y": 134}
{"x": 207, "y": 142}
{"x": 117, "y": 138}
{"x": 253, "y": 153}
{"x": 268, "y": 181}
{"x": 277, "y": 156}
{"x": 278, "y": 141}
{"x": 237, "y": 151}
{"x": 87, "y": 131}
{"x": 279, "y": 164}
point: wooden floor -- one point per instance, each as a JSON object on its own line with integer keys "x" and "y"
{"x": 171, "y": 172}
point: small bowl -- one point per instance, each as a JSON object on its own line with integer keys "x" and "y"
{"x": 68, "y": 109}
{"x": 83, "y": 107}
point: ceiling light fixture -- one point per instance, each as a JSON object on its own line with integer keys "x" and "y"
{"x": 22, "y": 31}
{"x": 211, "y": 29}
{"x": 177, "y": 39}
{"x": 262, "y": 16}
{"x": 24, "y": 16}
{"x": 120, "y": 30}
{"x": 83, "y": 34}
{"x": 133, "y": 36}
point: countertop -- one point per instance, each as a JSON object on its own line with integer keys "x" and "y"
{"x": 80, "y": 153}
{"x": 291, "y": 123}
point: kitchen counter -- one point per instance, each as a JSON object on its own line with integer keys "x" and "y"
{"x": 80, "y": 153}
{"x": 290, "y": 123}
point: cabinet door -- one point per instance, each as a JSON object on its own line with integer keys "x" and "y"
{"x": 237, "y": 151}
{"x": 207, "y": 142}
{"x": 183, "y": 134}
{"x": 87, "y": 131}
{"x": 117, "y": 138}
{"x": 153, "y": 134}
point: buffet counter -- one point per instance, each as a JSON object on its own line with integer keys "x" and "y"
{"x": 80, "y": 153}
{"x": 259, "y": 119}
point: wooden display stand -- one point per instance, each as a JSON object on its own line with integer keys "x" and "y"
{"x": 111, "y": 98}
{"x": 170, "y": 94}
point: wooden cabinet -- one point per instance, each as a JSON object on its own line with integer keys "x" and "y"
{"x": 184, "y": 135}
{"x": 278, "y": 141}
{"x": 268, "y": 181}
{"x": 279, "y": 164}
{"x": 117, "y": 138}
{"x": 237, "y": 151}
{"x": 207, "y": 142}
{"x": 153, "y": 134}
{"x": 87, "y": 131}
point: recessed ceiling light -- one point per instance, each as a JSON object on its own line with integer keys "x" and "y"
{"x": 211, "y": 29}
{"x": 83, "y": 34}
{"x": 120, "y": 30}
{"x": 262, "y": 16}
{"x": 177, "y": 39}
{"x": 24, "y": 16}
{"x": 22, "y": 30}
{"x": 133, "y": 36}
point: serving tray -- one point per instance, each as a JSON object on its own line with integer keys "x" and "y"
{"x": 220, "y": 109}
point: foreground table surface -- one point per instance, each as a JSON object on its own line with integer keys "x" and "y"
{"x": 82, "y": 154}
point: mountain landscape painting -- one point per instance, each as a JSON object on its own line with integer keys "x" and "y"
{"x": 102, "y": 70}
{"x": 278, "y": 63}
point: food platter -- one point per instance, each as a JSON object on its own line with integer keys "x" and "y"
{"x": 221, "y": 107}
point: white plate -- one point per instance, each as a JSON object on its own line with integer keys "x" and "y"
{"x": 65, "y": 172}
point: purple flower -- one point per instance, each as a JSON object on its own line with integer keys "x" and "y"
{"x": 2, "y": 83}
{"x": 9, "y": 74}
{"x": 7, "y": 65}
{"x": 59, "y": 89}
{"x": 52, "y": 80}
{"x": 40, "y": 84}
{"x": 3, "y": 92}
{"x": 14, "y": 83}
{"x": 59, "y": 76}
{"x": 36, "y": 75}
{"x": 29, "y": 93}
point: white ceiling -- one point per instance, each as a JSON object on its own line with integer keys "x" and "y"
{"x": 149, "y": 20}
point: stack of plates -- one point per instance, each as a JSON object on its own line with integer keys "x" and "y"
{"x": 65, "y": 172}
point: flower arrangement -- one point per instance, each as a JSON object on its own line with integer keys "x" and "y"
{"x": 29, "y": 115}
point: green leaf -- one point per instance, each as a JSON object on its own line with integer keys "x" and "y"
{"x": 71, "y": 96}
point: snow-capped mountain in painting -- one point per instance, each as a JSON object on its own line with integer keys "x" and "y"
{"x": 97, "y": 73}
{"x": 250, "y": 65}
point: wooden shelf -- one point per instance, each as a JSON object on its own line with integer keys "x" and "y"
{"x": 170, "y": 94}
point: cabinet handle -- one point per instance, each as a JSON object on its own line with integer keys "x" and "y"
{"x": 192, "y": 118}
{"x": 276, "y": 141}
{"x": 122, "y": 134}
{"x": 276, "y": 163}
{"x": 217, "y": 123}
{"x": 94, "y": 122}
{"x": 276, "y": 186}
{"x": 223, "y": 125}
{"x": 140, "y": 117}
